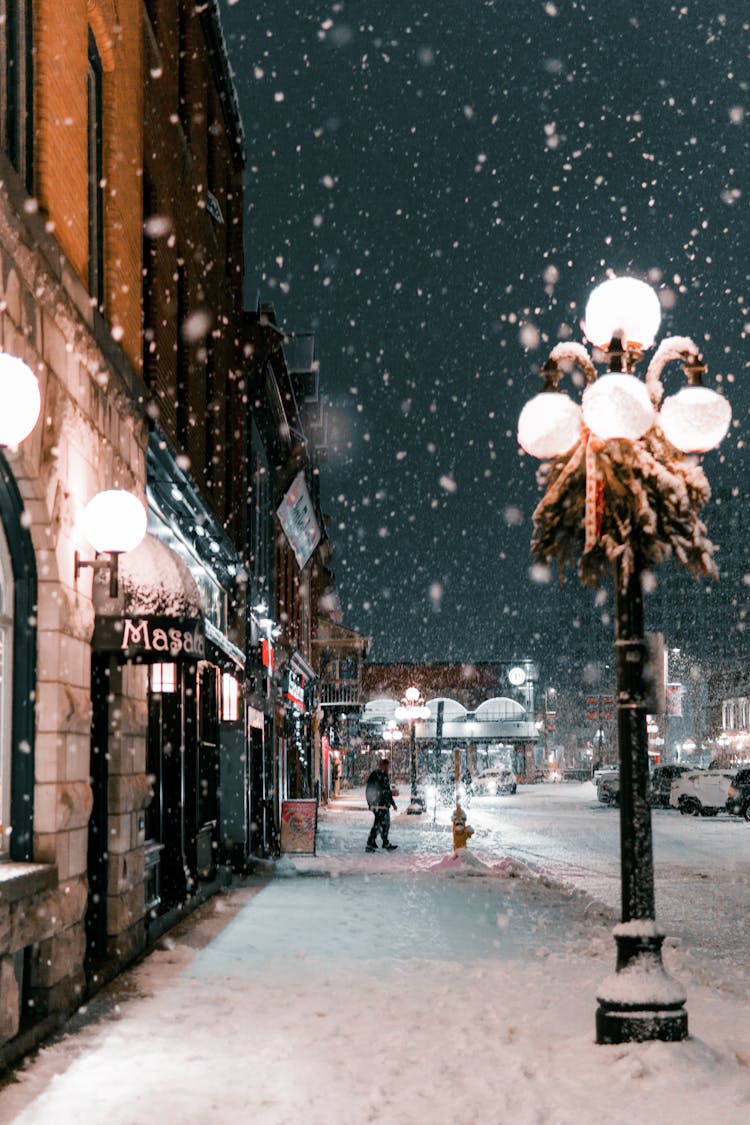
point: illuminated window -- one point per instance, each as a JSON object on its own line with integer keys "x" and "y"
{"x": 230, "y": 698}
{"x": 163, "y": 678}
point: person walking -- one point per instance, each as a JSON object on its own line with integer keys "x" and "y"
{"x": 380, "y": 799}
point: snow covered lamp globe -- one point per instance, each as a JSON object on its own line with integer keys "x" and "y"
{"x": 622, "y": 308}
{"x": 696, "y": 419}
{"x": 622, "y": 318}
{"x": 21, "y": 399}
{"x": 550, "y": 423}
{"x": 114, "y": 522}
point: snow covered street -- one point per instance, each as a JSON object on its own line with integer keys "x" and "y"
{"x": 406, "y": 987}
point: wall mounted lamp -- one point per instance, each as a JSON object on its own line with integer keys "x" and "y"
{"x": 114, "y": 522}
{"x": 21, "y": 399}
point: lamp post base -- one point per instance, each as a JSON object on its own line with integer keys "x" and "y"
{"x": 417, "y": 805}
{"x": 640, "y": 1001}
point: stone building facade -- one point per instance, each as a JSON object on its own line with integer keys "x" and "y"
{"x": 72, "y": 92}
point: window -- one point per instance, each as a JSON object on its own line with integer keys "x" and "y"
{"x": 164, "y": 678}
{"x": 230, "y": 698}
{"x": 17, "y": 85}
{"x": 96, "y": 174}
{"x": 6, "y": 691}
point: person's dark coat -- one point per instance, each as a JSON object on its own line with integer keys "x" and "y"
{"x": 378, "y": 791}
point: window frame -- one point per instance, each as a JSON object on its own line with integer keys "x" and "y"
{"x": 95, "y": 144}
{"x": 6, "y": 695}
{"x": 17, "y": 87}
{"x": 24, "y": 667}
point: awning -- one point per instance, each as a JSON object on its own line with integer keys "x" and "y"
{"x": 157, "y": 615}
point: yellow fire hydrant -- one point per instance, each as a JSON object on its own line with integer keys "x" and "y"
{"x": 462, "y": 832}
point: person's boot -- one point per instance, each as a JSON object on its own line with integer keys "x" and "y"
{"x": 371, "y": 846}
{"x": 389, "y": 847}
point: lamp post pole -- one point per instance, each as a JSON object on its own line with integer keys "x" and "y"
{"x": 412, "y": 709}
{"x": 620, "y": 495}
{"x": 412, "y": 762}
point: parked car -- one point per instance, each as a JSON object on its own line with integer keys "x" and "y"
{"x": 607, "y": 782}
{"x": 661, "y": 783}
{"x": 738, "y": 795}
{"x": 497, "y": 779}
{"x": 701, "y": 792}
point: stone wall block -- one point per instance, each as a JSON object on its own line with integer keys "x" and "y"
{"x": 63, "y": 806}
{"x": 74, "y": 803}
{"x": 65, "y": 996}
{"x": 71, "y": 902}
{"x": 124, "y": 911}
{"x": 9, "y": 1000}
{"x": 49, "y": 757}
{"x": 128, "y": 792}
{"x": 32, "y": 920}
{"x": 75, "y": 764}
{"x": 77, "y": 862}
{"x": 59, "y": 957}
{"x": 122, "y": 833}
{"x": 60, "y": 706}
{"x": 127, "y": 945}
{"x": 126, "y": 871}
{"x": 4, "y": 929}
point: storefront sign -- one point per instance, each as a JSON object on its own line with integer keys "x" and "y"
{"x": 299, "y": 822}
{"x": 294, "y": 689}
{"x": 675, "y": 693}
{"x": 151, "y": 639}
{"x": 297, "y": 517}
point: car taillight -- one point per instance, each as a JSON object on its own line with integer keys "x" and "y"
{"x": 731, "y": 792}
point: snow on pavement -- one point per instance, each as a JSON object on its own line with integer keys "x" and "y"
{"x": 398, "y": 988}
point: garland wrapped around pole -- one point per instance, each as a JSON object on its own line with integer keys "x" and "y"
{"x": 648, "y": 500}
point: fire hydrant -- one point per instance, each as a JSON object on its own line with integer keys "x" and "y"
{"x": 462, "y": 832}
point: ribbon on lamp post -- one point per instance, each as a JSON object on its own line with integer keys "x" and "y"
{"x": 594, "y": 499}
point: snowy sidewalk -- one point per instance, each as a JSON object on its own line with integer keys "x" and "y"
{"x": 356, "y": 990}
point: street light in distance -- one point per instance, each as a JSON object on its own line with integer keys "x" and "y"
{"x": 411, "y": 710}
{"x": 621, "y": 496}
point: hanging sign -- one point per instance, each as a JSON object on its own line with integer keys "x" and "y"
{"x": 297, "y": 518}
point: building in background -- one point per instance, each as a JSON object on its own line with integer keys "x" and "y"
{"x": 192, "y": 246}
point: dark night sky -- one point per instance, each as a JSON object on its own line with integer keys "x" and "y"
{"x": 434, "y": 187}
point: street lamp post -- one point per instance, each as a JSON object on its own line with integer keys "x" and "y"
{"x": 411, "y": 710}
{"x": 621, "y": 497}
{"x": 392, "y": 734}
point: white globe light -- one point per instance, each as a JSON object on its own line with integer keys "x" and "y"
{"x": 623, "y": 306}
{"x": 114, "y": 521}
{"x": 412, "y": 694}
{"x": 549, "y": 425}
{"x": 20, "y": 398}
{"x": 695, "y": 419}
{"x": 617, "y": 406}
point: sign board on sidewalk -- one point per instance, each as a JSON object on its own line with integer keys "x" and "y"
{"x": 299, "y": 822}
